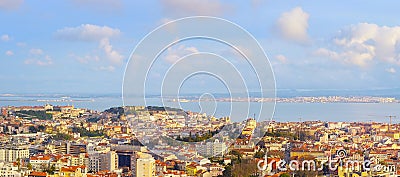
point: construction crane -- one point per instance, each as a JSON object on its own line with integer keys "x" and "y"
{"x": 300, "y": 123}
{"x": 390, "y": 121}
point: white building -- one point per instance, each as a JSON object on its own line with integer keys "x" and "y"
{"x": 215, "y": 148}
{"x": 40, "y": 162}
{"x": 8, "y": 170}
{"x": 11, "y": 154}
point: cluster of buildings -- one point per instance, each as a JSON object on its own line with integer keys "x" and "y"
{"x": 84, "y": 143}
{"x": 352, "y": 149}
{"x": 338, "y": 99}
{"x": 139, "y": 141}
{"x": 304, "y": 99}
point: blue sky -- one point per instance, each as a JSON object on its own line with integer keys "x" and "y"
{"x": 82, "y": 46}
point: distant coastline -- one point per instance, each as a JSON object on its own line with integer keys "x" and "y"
{"x": 195, "y": 98}
{"x": 321, "y": 99}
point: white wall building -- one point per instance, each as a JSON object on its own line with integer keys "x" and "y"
{"x": 11, "y": 154}
{"x": 8, "y": 170}
{"x": 215, "y": 148}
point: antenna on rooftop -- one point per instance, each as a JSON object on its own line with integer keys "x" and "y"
{"x": 390, "y": 121}
{"x": 300, "y": 127}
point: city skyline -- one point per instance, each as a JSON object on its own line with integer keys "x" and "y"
{"x": 83, "y": 46}
{"x": 199, "y": 88}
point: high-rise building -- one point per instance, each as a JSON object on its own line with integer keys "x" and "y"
{"x": 66, "y": 147}
{"x": 79, "y": 160}
{"x": 127, "y": 155}
{"x": 215, "y": 148}
{"x": 109, "y": 161}
{"x": 12, "y": 153}
{"x": 145, "y": 165}
{"x": 103, "y": 161}
{"x": 4, "y": 111}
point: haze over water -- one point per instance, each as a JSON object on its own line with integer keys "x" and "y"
{"x": 348, "y": 112}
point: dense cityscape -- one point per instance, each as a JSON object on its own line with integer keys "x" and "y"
{"x": 199, "y": 88}
{"x": 64, "y": 141}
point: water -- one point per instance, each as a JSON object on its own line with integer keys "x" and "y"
{"x": 348, "y": 112}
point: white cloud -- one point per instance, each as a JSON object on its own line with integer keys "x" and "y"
{"x": 326, "y": 53}
{"x": 364, "y": 43}
{"x": 114, "y": 56}
{"x": 87, "y": 32}
{"x": 9, "y": 53}
{"x": 173, "y": 54}
{"x": 38, "y": 57}
{"x": 391, "y": 70}
{"x": 348, "y": 57}
{"x": 192, "y": 49}
{"x": 86, "y": 59}
{"x": 281, "y": 58}
{"x": 10, "y": 4}
{"x": 93, "y": 33}
{"x": 36, "y": 51}
{"x": 21, "y": 44}
{"x": 193, "y": 7}
{"x": 293, "y": 25}
{"x": 106, "y": 68}
{"x": 165, "y": 20}
{"x": 5, "y": 37}
{"x": 47, "y": 60}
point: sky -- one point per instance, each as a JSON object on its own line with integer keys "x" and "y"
{"x": 83, "y": 46}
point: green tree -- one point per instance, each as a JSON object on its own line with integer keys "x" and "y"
{"x": 284, "y": 175}
{"x": 238, "y": 155}
{"x": 51, "y": 170}
{"x": 18, "y": 162}
{"x": 259, "y": 154}
{"x": 41, "y": 128}
{"x": 227, "y": 172}
{"x": 29, "y": 166}
{"x": 88, "y": 133}
{"x": 245, "y": 168}
{"x": 42, "y": 115}
{"x": 33, "y": 129}
{"x": 62, "y": 136}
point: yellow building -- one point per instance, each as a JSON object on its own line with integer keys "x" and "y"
{"x": 145, "y": 165}
{"x": 396, "y": 136}
{"x": 117, "y": 129}
{"x": 72, "y": 171}
{"x": 191, "y": 169}
{"x": 306, "y": 153}
{"x": 251, "y": 123}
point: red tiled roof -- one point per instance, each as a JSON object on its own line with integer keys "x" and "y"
{"x": 37, "y": 173}
{"x": 71, "y": 168}
{"x": 40, "y": 157}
